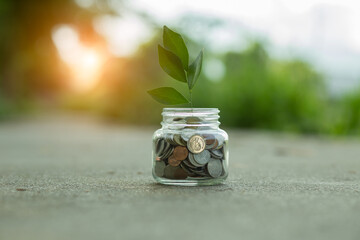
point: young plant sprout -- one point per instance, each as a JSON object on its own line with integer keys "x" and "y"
{"x": 174, "y": 60}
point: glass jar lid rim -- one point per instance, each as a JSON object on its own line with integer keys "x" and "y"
{"x": 191, "y": 116}
{"x": 189, "y": 110}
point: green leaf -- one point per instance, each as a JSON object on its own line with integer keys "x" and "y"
{"x": 168, "y": 96}
{"x": 171, "y": 64}
{"x": 175, "y": 43}
{"x": 195, "y": 70}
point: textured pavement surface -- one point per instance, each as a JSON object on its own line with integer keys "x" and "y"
{"x": 75, "y": 178}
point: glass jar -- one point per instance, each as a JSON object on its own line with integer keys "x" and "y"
{"x": 190, "y": 149}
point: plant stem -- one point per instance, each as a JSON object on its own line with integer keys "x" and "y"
{"x": 191, "y": 103}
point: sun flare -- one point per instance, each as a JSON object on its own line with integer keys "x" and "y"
{"x": 85, "y": 63}
{"x": 87, "y": 70}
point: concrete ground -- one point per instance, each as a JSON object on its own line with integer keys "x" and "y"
{"x": 65, "y": 178}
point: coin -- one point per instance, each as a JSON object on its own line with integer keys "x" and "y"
{"x": 174, "y": 172}
{"x": 178, "y": 140}
{"x": 214, "y": 145}
{"x": 159, "y": 169}
{"x": 169, "y": 171}
{"x": 180, "y": 173}
{"x": 156, "y": 142}
{"x": 192, "y": 120}
{"x": 217, "y": 153}
{"x": 160, "y": 144}
{"x": 221, "y": 141}
{"x": 180, "y": 153}
{"x": 190, "y": 153}
{"x": 170, "y": 138}
{"x": 200, "y": 171}
{"x": 196, "y": 144}
{"x": 202, "y": 158}
{"x": 209, "y": 139}
{"x": 192, "y": 160}
{"x": 168, "y": 151}
{"x": 188, "y": 163}
{"x": 187, "y": 169}
{"x": 173, "y": 161}
{"x": 214, "y": 168}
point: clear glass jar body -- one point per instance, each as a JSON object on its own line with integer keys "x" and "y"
{"x": 190, "y": 149}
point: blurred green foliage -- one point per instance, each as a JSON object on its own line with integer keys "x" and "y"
{"x": 345, "y": 114}
{"x": 255, "y": 92}
{"x": 258, "y": 92}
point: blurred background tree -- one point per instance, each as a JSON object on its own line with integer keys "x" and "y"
{"x": 30, "y": 68}
{"x": 251, "y": 88}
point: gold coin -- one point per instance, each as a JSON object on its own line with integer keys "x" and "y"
{"x": 196, "y": 144}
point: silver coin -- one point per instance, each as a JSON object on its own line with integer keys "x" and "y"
{"x": 166, "y": 146}
{"x": 202, "y": 158}
{"x": 200, "y": 173}
{"x": 165, "y": 151}
{"x": 168, "y": 152}
{"x": 156, "y": 142}
{"x": 187, "y": 169}
{"x": 173, "y": 140}
{"x": 192, "y": 160}
{"x": 166, "y": 137}
{"x": 193, "y": 171}
{"x": 214, "y": 168}
{"x": 170, "y": 139}
{"x": 159, "y": 168}
{"x": 178, "y": 140}
{"x": 160, "y": 144}
{"x": 188, "y": 163}
{"x": 217, "y": 153}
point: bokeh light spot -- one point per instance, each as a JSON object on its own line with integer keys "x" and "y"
{"x": 84, "y": 62}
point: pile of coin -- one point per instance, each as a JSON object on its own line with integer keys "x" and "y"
{"x": 189, "y": 155}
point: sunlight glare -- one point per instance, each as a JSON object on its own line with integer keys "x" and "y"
{"x": 85, "y": 63}
{"x": 87, "y": 70}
